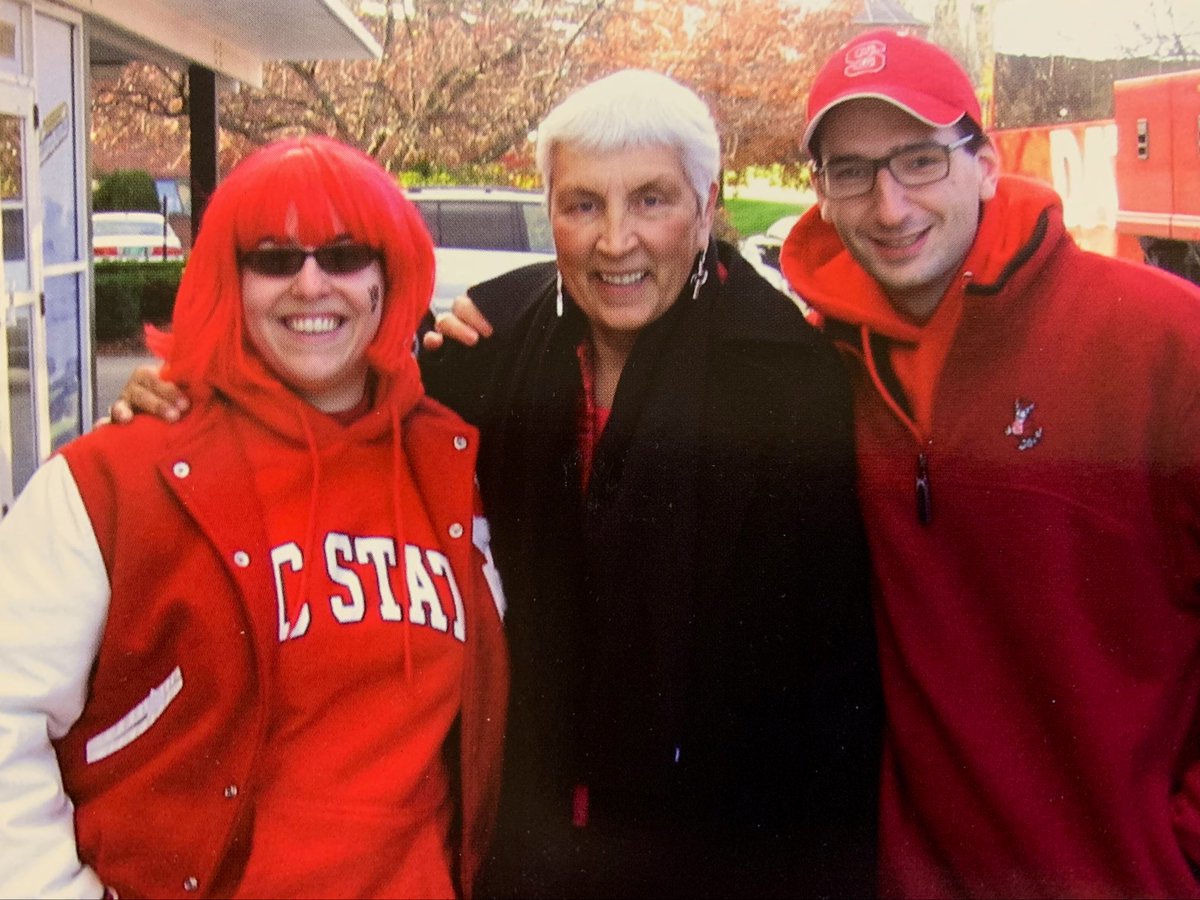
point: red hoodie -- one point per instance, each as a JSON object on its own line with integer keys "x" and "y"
{"x": 1030, "y": 475}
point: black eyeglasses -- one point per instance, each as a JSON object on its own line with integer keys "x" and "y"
{"x": 334, "y": 259}
{"x": 913, "y": 166}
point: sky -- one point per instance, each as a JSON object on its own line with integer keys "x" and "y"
{"x": 1085, "y": 29}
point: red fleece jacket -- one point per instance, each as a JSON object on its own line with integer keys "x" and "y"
{"x": 1040, "y": 631}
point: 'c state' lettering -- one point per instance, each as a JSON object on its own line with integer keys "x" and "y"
{"x": 351, "y": 559}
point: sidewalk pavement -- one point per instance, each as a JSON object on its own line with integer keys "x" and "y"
{"x": 112, "y": 371}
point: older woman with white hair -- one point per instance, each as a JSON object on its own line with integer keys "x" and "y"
{"x": 666, "y": 455}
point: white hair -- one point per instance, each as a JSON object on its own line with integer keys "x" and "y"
{"x": 635, "y": 108}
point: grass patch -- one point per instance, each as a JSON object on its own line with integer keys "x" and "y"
{"x": 755, "y": 216}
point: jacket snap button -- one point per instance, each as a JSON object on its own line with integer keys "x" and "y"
{"x": 231, "y": 791}
{"x": 460, "y": 442}
{"x": 241, "y": 559}
{"x": 456, "y": 530}
{"x": 190, "y": 883}
{"x": 181, "y": 470}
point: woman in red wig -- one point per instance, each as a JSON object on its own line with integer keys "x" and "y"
{"x": 259, "y": 653}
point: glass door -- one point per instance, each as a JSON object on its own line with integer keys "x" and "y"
{"x": 24, "y": 431}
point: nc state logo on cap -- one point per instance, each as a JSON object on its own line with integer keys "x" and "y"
{"x": 865, "y": 58}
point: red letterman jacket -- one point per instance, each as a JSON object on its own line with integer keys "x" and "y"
{"x": 163, "y": 811}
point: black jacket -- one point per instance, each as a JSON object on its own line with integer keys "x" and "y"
{"x": 693, "y": 640}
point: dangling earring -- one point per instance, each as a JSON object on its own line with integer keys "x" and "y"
{"x": 700, "y": 276}
{"x": 558, "y": 300}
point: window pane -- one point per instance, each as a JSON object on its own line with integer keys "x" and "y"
{"x": 20, "y": 395}
{"x": 479, "y": 226}
{"x": 537, "y": 224}
{"x": 12, "y": 204}
{"x": 429, "y": 212}
{"x": 63, "y": 340}
{"x": 56, "y": 77}
{"x": 11, "y": 62}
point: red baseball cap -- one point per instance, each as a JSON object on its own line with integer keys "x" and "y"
{"x": 910, "y": 73}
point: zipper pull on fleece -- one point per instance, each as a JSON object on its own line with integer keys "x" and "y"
{"x": 924, "y": 500}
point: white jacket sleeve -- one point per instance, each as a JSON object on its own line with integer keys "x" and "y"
{"x": 54, "y": 594}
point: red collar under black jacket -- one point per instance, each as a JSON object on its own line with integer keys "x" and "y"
{"x": 1039, "y": 632}
{"x": 161, "y": 813}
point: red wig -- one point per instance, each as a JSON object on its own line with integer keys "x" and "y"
{"x": 329, "y": 190}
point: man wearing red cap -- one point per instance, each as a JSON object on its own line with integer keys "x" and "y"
{"x": 1028, "y": 426}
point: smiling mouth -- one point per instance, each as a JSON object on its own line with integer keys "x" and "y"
{"x": 900, "y": 242}
{"x": 622, "y": 279}
{"x": 313, "y": 324}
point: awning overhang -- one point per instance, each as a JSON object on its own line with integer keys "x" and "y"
{"x": 233, "y": 38}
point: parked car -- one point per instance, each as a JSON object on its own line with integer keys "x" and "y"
{"x": 126, "y": 236}
{"x": 481, "y": 232}
{"x": 762, "y": 250}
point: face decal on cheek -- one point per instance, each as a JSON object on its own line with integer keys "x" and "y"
{"x": 375, "y": 295}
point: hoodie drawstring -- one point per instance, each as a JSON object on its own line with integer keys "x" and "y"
{"x": 401, "y": 544}
{"x": 314, "y": 496}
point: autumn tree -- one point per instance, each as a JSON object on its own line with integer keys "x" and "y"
{"x": 143, "y": 109}
{"x": 751, "y": 60}
{"x": 463, "y": 82}
{"x": 460, "y": 82}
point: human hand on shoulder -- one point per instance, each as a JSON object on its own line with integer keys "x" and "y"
{"x": 146, "y": 392}
{"x": 464, "y": 324}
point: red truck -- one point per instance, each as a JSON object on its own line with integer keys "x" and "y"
{"x": 1158, "y": 167}
{"x": 1130, "y": 184}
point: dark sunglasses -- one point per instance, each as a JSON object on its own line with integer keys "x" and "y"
{"x": 334, "y": 259}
